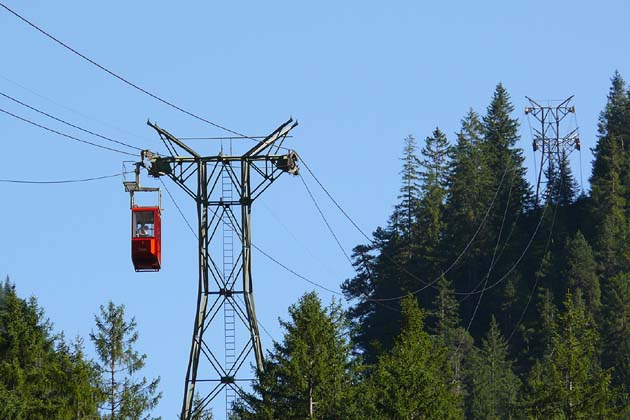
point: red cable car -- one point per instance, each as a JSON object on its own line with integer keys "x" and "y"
{"x": 146, "y": 226}
{"x": 146, "y": 238}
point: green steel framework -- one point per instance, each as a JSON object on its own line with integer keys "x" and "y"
{"x": 201, "y": 177}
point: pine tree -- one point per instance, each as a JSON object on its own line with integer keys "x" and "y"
{"x": 580, "y": 271}
{"x": 506, "y": 181}
{"x": 41, "y": 377}
{"x": 494, "y": 385}
{"x": 308, "y": 374}
{"x": 126, "y": 397}
{"x": 562, "y": 185}
{"x": 568, "y": 383}
{"x": 412, "y": 380}
{"x": 403, "y": 251}
{"x": 434, "y": 178}
{"x": 616, "y": 328}
{"x": 467, "y": 201}
{"x": 467, "y": 180}
{"x": 608, "y": 190}
{"x": 450, "y": 334}
{"x": 500, "y": 132}
{"x": 445, "y": 308}
{"x": 541, "y": 334}
{"x": 409, "y": 195}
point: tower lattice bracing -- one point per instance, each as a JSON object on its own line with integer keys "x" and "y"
{"x": 552, "y": 137}
{"x": 223, "y": 188}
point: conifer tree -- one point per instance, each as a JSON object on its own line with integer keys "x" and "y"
{"x": 409, "y": 195}
{"x": 505, "y": 180}
{"x": 412, "y": 380}
{"x": 568, "y": 383}
{"x": 494, "y": 385}
{"x": 309, "y": 374}
{"x": 391, "y": 264}
{"x": 563, "y": 186}
{"x": 126, "y": 396}
{"x": 434, "y": 176}
{"x": 467, "y": 200}
{"x": 500, "y": 132}
{"x": 580, "y": 271}
{"x": 608, "y": 190}
{"x": 546, "y": 324}
{"x": 616, "y": 328}
{"x": 41, "y": 377}
{"x": 467, "y": 180}
{"x": 450, "y": 334}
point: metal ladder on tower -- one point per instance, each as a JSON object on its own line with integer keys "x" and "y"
{"x": 229, "y": 323}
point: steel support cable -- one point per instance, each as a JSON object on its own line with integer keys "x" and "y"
{"x": 295, "y": 273}
{"x": 468, "y": 294}
{"x": 495, "y": 258}
{"x": 74, "y": 111}
{"x": 67, "y": 181}
{"x": 492, "y": 262}
{"x": 518, "y": 261}
{"x": 448, "y": 269}
{"x": 69, "y": 124}
{"x": 366, "y": 297}
{"x": 542, "y": 260}
{"x": 117, "y": 76}
{"x": 274, "y": 260}
{"x": 321, "y": 213}
{"x": 65, "y": 135}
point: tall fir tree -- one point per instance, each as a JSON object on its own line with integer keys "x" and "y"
{"x": 412, "y": 380}
{"x": 616, "y": 328}
{"x": 569, "y": 383}
{"x": 506, "y": 181}
{"x": 450, "y": 334}
{"x": 390, "y": 265}
{"x": 434, "y": 177}
{"x": 494, "y": 385}
{"x": 409, "y": 195}
{"x": 580, "y": 272}
{"x": 310, "y": 373}
{"x": 467, "y": 180}
{"x": 609, "y": 192}
{"x": 41, "y": 376}
{"x": 127, "y": 396}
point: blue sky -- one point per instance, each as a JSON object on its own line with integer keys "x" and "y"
{"x": 359, "y": 77}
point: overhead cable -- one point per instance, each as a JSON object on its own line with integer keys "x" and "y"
{"x": 290, "y": 270}
{"x": 542, "y": 260}
{"x": 444, "y": 272}
{"x": 116, "y": 75}
{"x": 64, "y": 134}
{"x": 493, "y": 261}
{"x": 74, "y": 111}
{"x": 69, "y": 124}
{"x": 179, "y": 209}
{"x": 295, "y": 273}
{"x": 330, "y": 229}
{"x": 66, "y": 181}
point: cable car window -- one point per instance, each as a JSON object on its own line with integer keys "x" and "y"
{"x": 144, "y": 224}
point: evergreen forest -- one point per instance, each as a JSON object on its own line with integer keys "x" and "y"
{"x": 476, "y": 300}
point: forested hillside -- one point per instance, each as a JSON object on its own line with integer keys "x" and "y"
{"x": 475, "y": 300}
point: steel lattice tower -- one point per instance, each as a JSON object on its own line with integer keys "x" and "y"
{"x": 224, "y": 188}
{"x": 554, "y": 143}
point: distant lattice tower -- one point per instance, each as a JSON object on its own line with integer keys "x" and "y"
{"x": 554, "y": 138}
